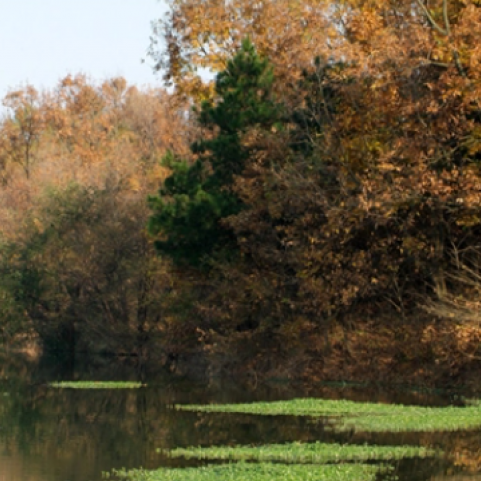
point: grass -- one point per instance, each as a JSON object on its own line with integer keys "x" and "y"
{"x": 368, "y": 417}
{"x": 96, "y": 385}
{"x": 316, "y": 453}
{"x": 256, "y": 472}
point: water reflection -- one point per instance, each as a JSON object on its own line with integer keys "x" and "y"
{"x": 457, "y": 477}
{"x": 65, "y": 435}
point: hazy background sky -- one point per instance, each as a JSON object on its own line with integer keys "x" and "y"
{"x": 41, "y": 41}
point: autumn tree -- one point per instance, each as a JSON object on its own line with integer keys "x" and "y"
{"x": 204, "y": 35}
{"x": 80, "y": 120}
{"x": 84, "y": 273}
{"x": 96, "y": 153}
{"x": 379, "y": 182}
{"x": 158, "y": 123}
{"x": 21, "y": 130}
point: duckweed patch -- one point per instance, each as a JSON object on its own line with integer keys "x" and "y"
{"x": 96, "y": 385}
{"x": 257, "y": 472}
{"x": 369, "y": 417}
{"x": 317, "y": 453}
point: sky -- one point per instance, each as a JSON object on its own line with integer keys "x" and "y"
{"x": 41, "y": 41}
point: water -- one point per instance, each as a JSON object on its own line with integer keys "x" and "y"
{"x": 49, "y": 434}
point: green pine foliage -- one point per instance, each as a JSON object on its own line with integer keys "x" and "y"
{"x": 188, "y": 212}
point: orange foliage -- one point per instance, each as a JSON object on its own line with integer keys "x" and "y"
{"x": 78, "y": 163}
{"x": 391, "y": 183}
{"x": 204, "y": 35}
{"x": 21, "y": 130}
{"x": 86, "y": 132}
{"x": 355, "y": 203}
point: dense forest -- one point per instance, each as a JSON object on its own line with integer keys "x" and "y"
{"x": 313, "y": 211}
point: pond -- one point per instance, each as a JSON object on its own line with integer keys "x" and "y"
{"x": 53, "y": 434}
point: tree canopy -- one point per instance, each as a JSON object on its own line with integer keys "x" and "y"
{"x": 196, "y": 198}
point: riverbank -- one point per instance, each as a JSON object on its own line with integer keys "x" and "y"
{"x": 423, "y": 352}
{"x": 435, "y": 354}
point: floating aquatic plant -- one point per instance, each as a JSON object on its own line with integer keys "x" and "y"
{"x": 97, "y": 385}
{"x": 317, "y": 453}
{"x": 257, "y": 472}
{"x": 369, "y": 417}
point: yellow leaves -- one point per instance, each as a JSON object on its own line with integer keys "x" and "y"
{"x": 82, "y": 130}
{"x": 467, "y": 220}
{"x": 387, "y": 167}
{"x": 472, "y": 141}
{"x": 159, "y": 173}
{"x": 412, "y": 244}
{"x": 204, "y": 34}
{"x": 38, "y": 224}
{"x": 365, "y": 25}
{"x": 22, "y": 128}
{"x": 134, "y": 184}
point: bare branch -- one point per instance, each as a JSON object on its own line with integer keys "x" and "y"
{"x": 431, "y": 20}
{"x": 459, "y": 67}
{"x": 446, "y": 18}
{"x": 439, "y": 64}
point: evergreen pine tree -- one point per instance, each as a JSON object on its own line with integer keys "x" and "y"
{"x": 188, "y": 211}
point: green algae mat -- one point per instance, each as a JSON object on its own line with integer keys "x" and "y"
{"x": 257, "y": 472}
{"x": 368, "y": 417}
{"x": 96, "y": 385}
{"x": 318, "y": 461}
{"x": 313, "y": 453}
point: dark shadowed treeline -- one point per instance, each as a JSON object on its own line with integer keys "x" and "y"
{"x": 78, "y": 268}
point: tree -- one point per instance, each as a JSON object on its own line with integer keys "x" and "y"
{"x": 83, "y": 273}
{"x": 195, "y": 199}
{"x": 204, "y": 35}
{"x": 21, "y": 131}
{"x": 75, "y": 256}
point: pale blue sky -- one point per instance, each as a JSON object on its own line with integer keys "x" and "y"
{"x": 41, "y": 41}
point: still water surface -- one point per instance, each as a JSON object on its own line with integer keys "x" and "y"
{"x": 51, "y": 434}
